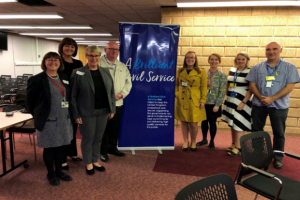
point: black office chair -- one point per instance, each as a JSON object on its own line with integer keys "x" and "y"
{"x": 257, "y": 154}
{"x": 219, "y": 186}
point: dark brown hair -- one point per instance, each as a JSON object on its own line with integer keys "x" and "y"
{"x": 195, "y": 65}
{"x": 67, "y": 41}
{"x": 52, "y": 55}
{"x": 217, "y": 55}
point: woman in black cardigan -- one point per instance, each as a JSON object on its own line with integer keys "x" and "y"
{"x": 67, "y": 49}
{"x": 47, "y": 100}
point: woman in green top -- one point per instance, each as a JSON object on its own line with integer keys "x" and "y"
{"x": 216, "y": 89}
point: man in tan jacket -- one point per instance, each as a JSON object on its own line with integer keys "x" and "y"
{"x": 122, "y": 86}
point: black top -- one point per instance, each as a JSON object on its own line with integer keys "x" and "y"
{"x": 101, "y": 100}
{"x": 70, "y": 66}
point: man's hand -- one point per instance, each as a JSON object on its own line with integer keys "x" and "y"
{"x": 267, "y": 100}
{"x": 78, "y": 121}
{"x": 118, "y": 96}
{"x": 111, "y": 115}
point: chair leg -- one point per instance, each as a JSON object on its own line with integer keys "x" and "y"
{"x": 30, "y": 139}
{"x": 34, "y": 147}
{"x": 256, "y": 196}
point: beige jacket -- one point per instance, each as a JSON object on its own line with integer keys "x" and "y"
{"x": 122, "y": 78}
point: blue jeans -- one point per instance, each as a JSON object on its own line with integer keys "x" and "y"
{"x": 277, "y": 117}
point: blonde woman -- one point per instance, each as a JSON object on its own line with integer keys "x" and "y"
{"x": 237, "y": 106}
{"x": 191, "y": 91}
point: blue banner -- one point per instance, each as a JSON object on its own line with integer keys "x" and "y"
{"x": 150, "y": 53}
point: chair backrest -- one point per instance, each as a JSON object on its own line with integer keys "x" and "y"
{"x": 6, "y": 77}
{"x": 27, "y": 75}
{"x": 21, "y": 89}
{"x": 257, "y": 149}
{"x": 219, "y": 186}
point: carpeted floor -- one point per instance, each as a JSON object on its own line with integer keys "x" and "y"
{"x": 127, "y": 178}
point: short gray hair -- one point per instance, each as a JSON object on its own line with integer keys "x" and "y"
{"x": 93, "y": 49}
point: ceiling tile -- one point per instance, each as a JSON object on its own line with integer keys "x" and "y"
{"x": 134, "y": 18}
{"x": 92, "y": 2}
{"x": 99, "y": 19}
{"x": 114, "y": 2}
{"x": 65, "y": 2}
{"x": 117, "y": 18}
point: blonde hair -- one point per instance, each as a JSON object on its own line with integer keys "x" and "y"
{"x": 242, "y": 54}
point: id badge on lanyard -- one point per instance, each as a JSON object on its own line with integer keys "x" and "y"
{"x": 64, "y": 104}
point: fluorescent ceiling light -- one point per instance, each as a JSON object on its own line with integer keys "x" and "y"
{"x": 50, "y": 38}
{"x": 7, "y": 1}
{"x": 238, "y": 3}
{"x": 30, "y": 16}
{"x": 45, "y": 27}
{"x": 67, "y": 34}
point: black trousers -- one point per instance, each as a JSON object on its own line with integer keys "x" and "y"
{"x": 71, "y": 149}
{"x": 111, "y": 133}
{"x": 277, "y": 118}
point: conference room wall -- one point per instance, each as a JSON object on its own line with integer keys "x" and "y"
{"x": 24, "y": 55}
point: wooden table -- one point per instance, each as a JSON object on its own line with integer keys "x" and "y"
{"x": 5, "y": 123}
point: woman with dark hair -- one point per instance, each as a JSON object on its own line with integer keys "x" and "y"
{"x": 67, "y": 49}
{"x": 191, "y": 91}
{"x": 48, "y": 102}
{"x": 216, "y": 89}
{"x": 237, "y": 106}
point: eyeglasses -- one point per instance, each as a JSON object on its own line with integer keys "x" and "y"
{"x": 112, "y": 49}
{"x": 191, "y": 58}
{"x": 93, "y": 56}
{"x": 52, "y": 60}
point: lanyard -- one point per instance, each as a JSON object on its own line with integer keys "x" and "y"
{"x": 236, "y": 75}
{"x": 274, "y": 68}
{"x": 211, "y": 77}
{"x": 62, "y": 91}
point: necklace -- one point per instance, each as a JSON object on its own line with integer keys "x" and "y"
{"x": 53, "y": 77}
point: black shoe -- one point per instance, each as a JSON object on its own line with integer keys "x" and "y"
{"x": 211, "y": 146}
{"x": 65, "y": 167}
{"x": 90, "y": 172}
{"x": 53, "y": 181}
{"x": 76, "y": 159}
{"x": 65, "y": 177}
{"x": 278, "y": 164}
{"x": 104, "y": 158}
{"x": 203, "y": 142}
{"x": 184, "y": 149}
{"x": 100, "y": 169}
{"x": 194, "y": 149}
{"x": 116, "y": 152}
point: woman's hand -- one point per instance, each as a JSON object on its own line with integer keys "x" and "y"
{"x": 215, "y": 108}
{"x": 111, "y": 115}
{"x": 240, "y": 106}
{"x": 78, "y": 121}
{"x": 201, "y": 105}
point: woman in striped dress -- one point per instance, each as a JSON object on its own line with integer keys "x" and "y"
{"x": 237, "y": 106}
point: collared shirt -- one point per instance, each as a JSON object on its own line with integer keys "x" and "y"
{"x": 285, "y": 73}
{"x": 218, "y": 83}
{"x": 113, "y": 65}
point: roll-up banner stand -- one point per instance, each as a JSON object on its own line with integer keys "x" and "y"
{"x": 150, "y": 53}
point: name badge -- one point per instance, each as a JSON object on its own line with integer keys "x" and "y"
{"x": 66, "y": 82}
{"x": 184, "y": 84}
{"x": 270, "y": 78}
{"x": 233, "y": 94}
{"x": 269, "y": 84}
{"x": 80, "y": 73}
{"x": 232, "y": 85}
{"x": 64, "y": 104}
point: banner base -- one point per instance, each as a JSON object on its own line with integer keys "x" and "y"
{"x": 133, "y": 149}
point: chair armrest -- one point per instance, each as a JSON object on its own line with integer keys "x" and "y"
{"x": 262, "y": 172}
{"x": 292, "y": 155}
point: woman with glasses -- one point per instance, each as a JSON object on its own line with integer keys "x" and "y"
{"x": 48, "y": 101}
{"x": 237, "y": 106}
{"x": 216, "y": 88}
{"x": 191, "y": 91}
{"x": 68, "y": 49}
{"x": 92, "y": 104}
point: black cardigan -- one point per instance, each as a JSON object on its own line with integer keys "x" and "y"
{"x": 38, "y": 99}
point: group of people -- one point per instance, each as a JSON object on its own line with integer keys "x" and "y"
{"x": 67, "y": 95}
{"x": 200, "y": 94}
